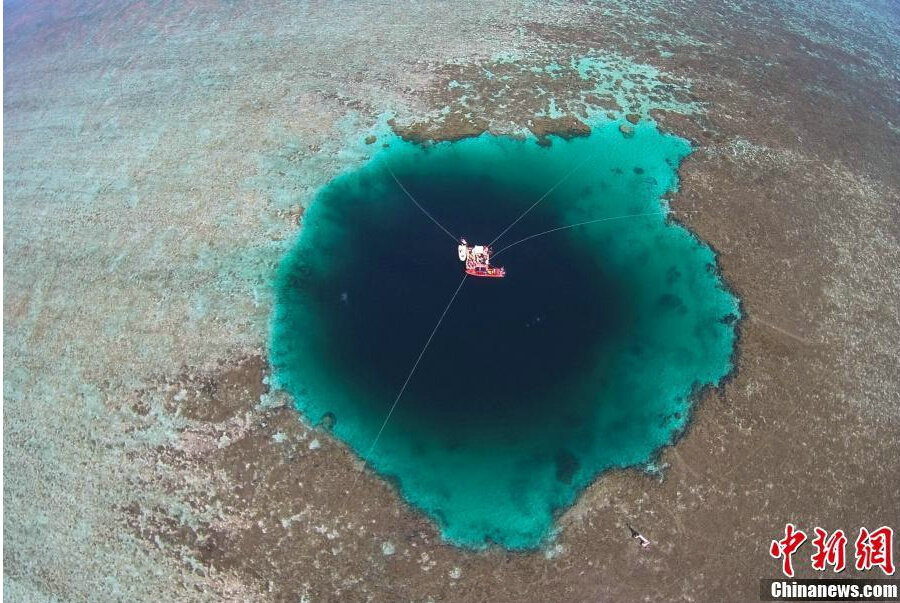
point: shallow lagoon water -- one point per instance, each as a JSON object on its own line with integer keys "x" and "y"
{"x": 584, "y": 358}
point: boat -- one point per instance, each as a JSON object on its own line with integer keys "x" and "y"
{"x": 477, "y": 259}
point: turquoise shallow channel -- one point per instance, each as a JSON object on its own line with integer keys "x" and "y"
{"x": 586, "y": 357}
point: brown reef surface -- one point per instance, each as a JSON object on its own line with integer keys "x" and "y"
{"x": 157, "y": 163}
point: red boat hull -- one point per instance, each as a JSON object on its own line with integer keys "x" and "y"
{"x": 487, "y": 272}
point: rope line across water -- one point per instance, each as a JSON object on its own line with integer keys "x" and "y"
{"x": 540, "y": 234}
{"x": 413, "y": 370}
{"x": 544, "y": 196}
{"x": 424, "y": 211}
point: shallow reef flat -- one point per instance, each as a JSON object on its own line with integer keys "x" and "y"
{"x": 160, "y": 160}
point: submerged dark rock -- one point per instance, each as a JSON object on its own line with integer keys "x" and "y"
{"x": 566, "y": 127}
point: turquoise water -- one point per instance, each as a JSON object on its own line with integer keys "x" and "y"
{"x": 584, "y": 358}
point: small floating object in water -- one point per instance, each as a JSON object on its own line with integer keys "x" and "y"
{"x": 478, "y": 260}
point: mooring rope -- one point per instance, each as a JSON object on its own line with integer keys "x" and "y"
{"x": 544, "y": 196}
{"x": 424, "y": 211}
{"x": 540, "y": 234}
{"x": 413, "y": 370}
